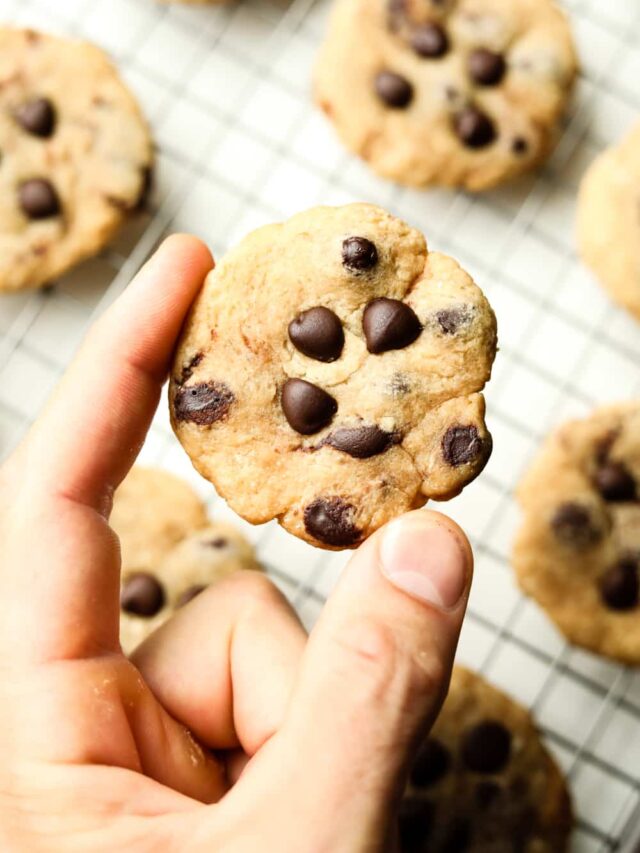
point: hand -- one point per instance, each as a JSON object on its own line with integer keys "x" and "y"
{"x": 301, "y": 744}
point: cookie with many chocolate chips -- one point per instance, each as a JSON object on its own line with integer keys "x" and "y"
{"x": 329, "y": 375}
{"x": 578, "y": 550}
{"x": 483, "y": 782}
{"x": 170, "y": 550}
{"x": 76, "y": 155}
{"x": 460, "y": 93}
{"x": 609, "y": 220}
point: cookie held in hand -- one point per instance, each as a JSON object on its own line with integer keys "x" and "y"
{"x": 578, "y": 550}
{"x": 329, "y": 375}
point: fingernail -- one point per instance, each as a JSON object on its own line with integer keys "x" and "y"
{"x": 424, "y": 559}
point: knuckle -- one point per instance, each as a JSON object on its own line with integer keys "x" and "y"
{"x": 256, "y": 589}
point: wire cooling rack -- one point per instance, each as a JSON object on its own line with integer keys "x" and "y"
{"x": 226, "y": 90}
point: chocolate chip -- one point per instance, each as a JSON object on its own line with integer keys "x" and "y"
{"x": 614, "y": 482}
{"x": 486, "y": 68}
{"x": 395, "y": 91}
{"x": 520, "y": 145}
{"x": 573, "y": 525}
{"x": 450, "y": 319}
{"x": 38, "y": 199}
{"x": 360, "y": 442}
{"x": 142, "y": 594}
{"x": 37, "y": 117}
{"x": 189, "y": 594}
{"x": 487, "y": 793}
{"x": 203, "y": 404}
{"x": 486, "y": 747}
{"x": 389, "y": 324}
{"x": 473, "y": 128}
{"x": 359, "y": 254}
{"x": 430, "y": 41}
{"x": 189, "y": 367}
{"x": 329, "y": 520}
{"x": 317, "y": 333}
{"x": 619, "y": 586}
{"x": 218, "y": 542}
{"x": 432, "y": 763}
{"x": 461, "y": 444}
{"x": 306, "y": 407}
{"x": 415, "y": 819}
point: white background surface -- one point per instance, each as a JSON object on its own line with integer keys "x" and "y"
{"x": 227, "y": 91}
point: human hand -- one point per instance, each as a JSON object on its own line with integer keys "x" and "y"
{"x": 228, "y": 730}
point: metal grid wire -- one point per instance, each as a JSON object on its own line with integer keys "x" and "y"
{"x": 226, "y": 90}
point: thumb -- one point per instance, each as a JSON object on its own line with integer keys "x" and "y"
{"x": 376, "y": 670}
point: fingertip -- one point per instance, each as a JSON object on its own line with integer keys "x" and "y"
{"x": 189, "y": 249}
{"x": 428, "y": 556}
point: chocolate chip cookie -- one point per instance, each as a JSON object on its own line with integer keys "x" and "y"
{"x": 452, "y": 92}
{"x": 609, "y": 222}
{"x": 76, "y": 155}
{"x": 170, "y": 550}
{"x": 578, "y": 551}
{"x": 329, "y": 375}
{"x": 483, "y": 782}
{"x": 149, "y": 598}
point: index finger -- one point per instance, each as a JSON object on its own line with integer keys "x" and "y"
{"x": 60, "y": 566}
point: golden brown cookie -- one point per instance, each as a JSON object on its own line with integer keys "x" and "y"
{"x": 454, "y": 92}
{"x": 483, "y": 782}
{"x": 76, "y": 155}
{"x": 608, "y": 220}
{"x": 329, "y": 375}
{"x": 578, "y": 550}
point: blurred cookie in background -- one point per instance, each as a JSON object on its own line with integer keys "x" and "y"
{"x": 170, "y": 550}
{"x": 465, "y": 93}
{"x": 483, "y": 781}
{"x": 609, "y": 220}
{"x": 578, "y": 550}
{"x": 76, "y": 155}
{"x": 330, "y": 375}
{"x": 205, "y": 557}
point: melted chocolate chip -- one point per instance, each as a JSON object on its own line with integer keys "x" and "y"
{"x": 573, "y": 525}
{"x": 473, "y": 128}
{"x": 393, "y": 90}
{"x": 486, "y": 747}
{"x": 306, "y": 407}
{"x": 318, "y": 334}
{"x": 415, "y": 819}
{"x": 189, "y": 367}
{"x": 203, "y": 404}
{"x": 614, "y": 482}
{"x": 620, "y": 586}
{"x": 360, "y": 442}
{"x": 329, "y": 520}
{"x": 37, "y": 117}
{"x": 430, "y": 41}
{"x": 142, "y": 594}
{"x": 461, "y": 445}
{"x": 520, "y": 145}
{"x": 485, "y": 67}
{"x": 189, "y": 594}
{"x": 450, "y": 319}
{"x": 389, "y": 324}
{"x": 431, "y": 765}
{"x": 38, "y": 199}
{"x": 359, "y": 254}
{"x": 218, "y": 542}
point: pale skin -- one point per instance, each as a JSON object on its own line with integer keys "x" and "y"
{"x": 229, "y": 729}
